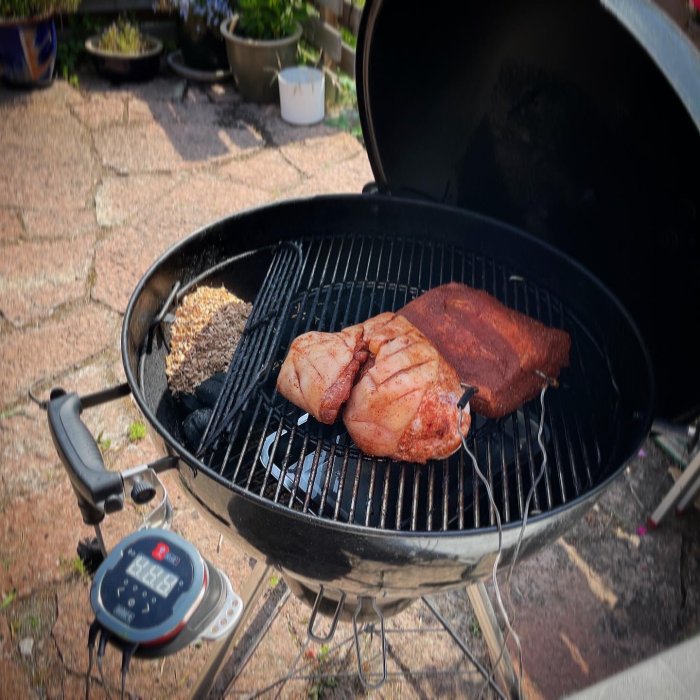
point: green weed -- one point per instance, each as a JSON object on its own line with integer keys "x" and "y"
{"x": 74, "y": 566}
{"x": 8, "y": 599}
{"x": 136, "y": 431}
{"x": 104, "y": 443}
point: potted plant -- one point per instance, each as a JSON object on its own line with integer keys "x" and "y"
{"x": 261, "y": 39}
{"x": 122, "y": 52}
{"x": 198, "y": 32}
{"x": 28, "y": 39}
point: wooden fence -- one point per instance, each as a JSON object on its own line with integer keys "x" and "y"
{"x": 323, "y": 32}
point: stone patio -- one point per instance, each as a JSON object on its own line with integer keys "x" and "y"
{"x": 96, "y": 183}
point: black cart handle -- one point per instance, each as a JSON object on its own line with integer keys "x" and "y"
{"x": 99, "y": 491}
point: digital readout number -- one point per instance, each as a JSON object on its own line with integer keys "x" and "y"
{"x": 150, "y": 574}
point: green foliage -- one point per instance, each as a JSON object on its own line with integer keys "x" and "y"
{"x": 137, "y": 431}
{"x": 348, "y": 37}
{"x": 308, "y": 54}
{"x": 104, "y": 443}
{"x": 74, "y": 567}
{"x": 8, "y": 599}
{"x": 124, "y": 37}
{"x": 71, "y": 48}
{"x": 322, "y": 680}
{"x": 22, "y": 9}
{"x": 269, "y": 19}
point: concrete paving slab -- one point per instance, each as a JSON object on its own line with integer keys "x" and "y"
{"x": 55, "y": 346}
{"x": 267, "y": 168}
{"x": 196, "y": 201}
{"x": 170, "y": 146}
{"x": 62, "y": 223}
{"x": 348, "y": 177}
{"x": 36, "y": 278}
{"x": 118, "y": 198}
{"x": 314, "y": 155}
{"x": 99, "y": 110}
{"x": 11, "y": 229}
{"x": 29, "y": 464}
{"x": 37, "y": 553}
{"x": 37, "y": 133}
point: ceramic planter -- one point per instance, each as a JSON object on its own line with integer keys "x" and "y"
{"x": 256, "y": 62}
{"x": 120, "y": 67}
{"x": 202, "y": 46}
{"x": 28, "y": 51}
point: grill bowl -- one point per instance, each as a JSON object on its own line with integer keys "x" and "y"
{"x": 427, "y": 554}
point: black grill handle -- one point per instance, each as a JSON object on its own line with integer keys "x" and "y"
{"x": 99, "y": 491}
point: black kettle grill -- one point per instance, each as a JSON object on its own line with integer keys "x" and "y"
{"x": 546, "y": 152}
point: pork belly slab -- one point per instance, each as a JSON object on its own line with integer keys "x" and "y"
{"x": 400, "y": 395}
{"x": 320, "y": 369}
{"x": 496, "y": 349}
{"x": 404, "y": 405}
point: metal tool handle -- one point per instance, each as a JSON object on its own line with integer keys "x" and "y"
{"x": 99, "y": 491}
{"x": 311, "y": 629}
{"x": 364, "y": 677}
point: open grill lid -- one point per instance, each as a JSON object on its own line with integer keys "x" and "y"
{"x": 577, "y": 122}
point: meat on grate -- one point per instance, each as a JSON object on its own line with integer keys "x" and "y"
{"x": 404, "y": 405}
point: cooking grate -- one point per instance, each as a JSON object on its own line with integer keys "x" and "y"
{"x": 261, "y": 443}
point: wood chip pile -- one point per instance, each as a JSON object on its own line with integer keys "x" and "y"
{"x": 207, "y": 328}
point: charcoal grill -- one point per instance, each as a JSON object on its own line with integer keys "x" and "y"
{"x": 389, "y": 529}
{"x": 281, "y": 484}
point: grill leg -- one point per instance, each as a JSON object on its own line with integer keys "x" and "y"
{"x": 481, "y": 604}
{"x": 684, "y": 483}
{"x": 252, "y": 590}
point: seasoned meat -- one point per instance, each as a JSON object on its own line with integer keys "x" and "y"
{"x": 319, "y": 371}
{"x": 496, "y": 349}
{"x": 404, "y": 405}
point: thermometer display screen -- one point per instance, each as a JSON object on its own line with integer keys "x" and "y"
{"x": 147, "y": 572}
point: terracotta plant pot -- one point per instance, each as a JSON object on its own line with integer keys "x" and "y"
{"x": 28, "y": 51}
{"x": 256, "y": 62}
{"x": 120, "y": 67}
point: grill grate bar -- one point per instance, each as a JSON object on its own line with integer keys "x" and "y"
{"x": 445, "y": 495}
{"x": 385, "y": 501}
{"x": 517, "y": 432}
{"x": 460, "y": 492}
{"x": 257, "y": 344}
{"x": 504, "y": 470}
{"x": 400, "y": 494}
{"x": 414, "y": 500}
{"x": 372, "y": 483}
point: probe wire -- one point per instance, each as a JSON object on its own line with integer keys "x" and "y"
{"x": 104, "y": 638}
{"x": 497, "y": 591}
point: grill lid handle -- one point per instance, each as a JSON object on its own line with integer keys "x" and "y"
{"x": 99, "y": 491}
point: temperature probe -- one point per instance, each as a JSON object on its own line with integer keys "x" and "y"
{"x": 155, "y": 594}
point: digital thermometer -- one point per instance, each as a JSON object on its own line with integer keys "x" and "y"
{"x": 148, "y": 587}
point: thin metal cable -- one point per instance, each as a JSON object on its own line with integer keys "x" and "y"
{"x": 533, "y": 488}
{"x": 530, "y": 495}
{"x": 497, "y": 560}
{"x": 509, "y": 625}
{"x": 104, "y": 638}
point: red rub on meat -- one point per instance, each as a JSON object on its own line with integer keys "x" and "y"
{"x": 496, "y": 349}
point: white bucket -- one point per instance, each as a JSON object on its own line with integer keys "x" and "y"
{"x": 302, "y": 94}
